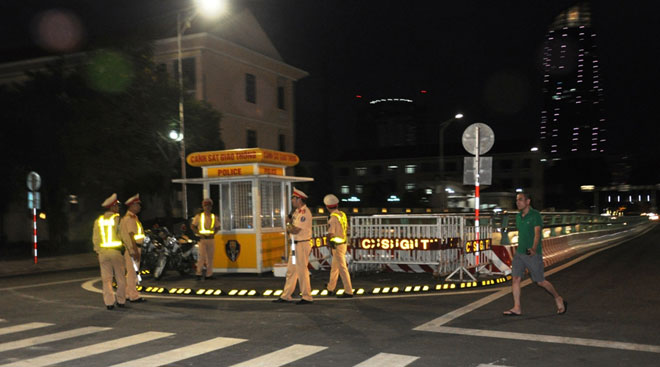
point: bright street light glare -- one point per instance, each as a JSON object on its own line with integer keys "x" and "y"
{"x": 459, "y": 116}
{"x": 211, "y": 8}
{"x": 173, "y": 134}
{"x": 534, "y": 149}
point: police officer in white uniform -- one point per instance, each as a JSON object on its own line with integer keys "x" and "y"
{"x": 109, "y": 248}
{"x": 132, "y": 235}
{"x": 300, "y": 228}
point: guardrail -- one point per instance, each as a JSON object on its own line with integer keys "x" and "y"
{"x": 558, "y": 224}
{"x": 440, "y": 243}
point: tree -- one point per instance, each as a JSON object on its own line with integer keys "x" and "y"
{"x": 96, "y": 125}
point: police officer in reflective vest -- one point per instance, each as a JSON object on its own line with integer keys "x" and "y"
{"x": 132, "y": 235}
{"x": 109, "y": 248}
{"x": 205, "y": 224}
{"x": 337, "y": 227}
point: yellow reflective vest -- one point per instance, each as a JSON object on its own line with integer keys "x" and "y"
{"x": 140, "y": 233}
{"x": 108, "y": 232}
{"x": 202, "y": 223}
{"x": 341, "y": 216}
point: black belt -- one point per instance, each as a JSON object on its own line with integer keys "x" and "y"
{"x": 302, "y": 241}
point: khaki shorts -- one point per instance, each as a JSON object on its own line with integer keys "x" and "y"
{"x": 534, "y": 263}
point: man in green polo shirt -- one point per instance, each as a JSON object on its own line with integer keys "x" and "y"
{"x": 529, "y": 255}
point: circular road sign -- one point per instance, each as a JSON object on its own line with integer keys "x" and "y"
{"x": 33, "y": 181}
{"x": 486, "y": 138}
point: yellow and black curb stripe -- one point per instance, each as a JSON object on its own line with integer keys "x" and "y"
{"x": 385, "y": 290}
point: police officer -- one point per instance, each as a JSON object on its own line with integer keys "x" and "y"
{"x": 300, "y": 227}
{"x": 205, "y": 224}
{"x": 109, "y": 247}
{"x": 132, "y": 235}
{"x": 337, "y": 227}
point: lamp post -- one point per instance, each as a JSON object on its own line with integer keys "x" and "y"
{"x": 209, "y": 8}
{"x": 441, "y": 142}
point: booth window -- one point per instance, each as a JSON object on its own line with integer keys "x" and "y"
{"x": 271, "y": 204}
{"x": 236, "y": 205}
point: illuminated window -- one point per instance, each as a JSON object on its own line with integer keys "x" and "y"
{"x": 359, "y": 189}
{"x": 410, "y": 169}
{"x": 392, "y": 168}
{"x": 410, "y": 186}
{"x": 361, "y": 171}
{"x": 345, "y": 189}
{"x": 428, "y": 191}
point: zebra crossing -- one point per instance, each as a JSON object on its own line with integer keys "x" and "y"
{"x": 281, "y": 357}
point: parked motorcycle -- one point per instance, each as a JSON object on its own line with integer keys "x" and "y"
{"x": 154, "y": 240}
{"x": 178, "y": 254}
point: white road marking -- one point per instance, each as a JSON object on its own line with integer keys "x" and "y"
{"x": 437, "y": 325}
{"x": 90, "y": 350}
{"x": 23, "y": 327}
{"x": 444, "y": 319}
{"x": 28, "y": 342}
{"x": 283, "y": 356}
{"x": 388, "y": 360}
{"x": 182, "y": 353}
{"x": 46, "y": 284}
{"x": 550, "y": 339}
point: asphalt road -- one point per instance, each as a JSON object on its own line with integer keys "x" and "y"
{"x": 613, "y": 319}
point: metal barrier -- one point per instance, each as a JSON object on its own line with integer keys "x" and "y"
{"x": 415, "y": 243}
{"x": 443, "y": 244}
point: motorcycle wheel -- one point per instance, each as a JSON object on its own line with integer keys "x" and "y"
{"x": 161, "y": 264}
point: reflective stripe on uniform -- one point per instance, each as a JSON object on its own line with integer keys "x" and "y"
{"x": 140, "y": 233}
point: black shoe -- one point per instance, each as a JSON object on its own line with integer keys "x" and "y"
{"x": 121, "y": 305}
{"x": 211, "y": 277}
{"x": 110, "y": 307}
{"x": 304, "y": 302}
{"x": 281, "y": 300}
{"x": 345, "y": 295}
{"x": 199, "y": 277}
{"x": 138, "y": 300}
{"x": 331, "y": 293}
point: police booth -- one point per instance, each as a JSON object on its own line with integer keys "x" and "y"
{"x": 253, "y": 191}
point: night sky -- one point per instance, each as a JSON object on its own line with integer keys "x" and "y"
{"x": 481, "y": 58}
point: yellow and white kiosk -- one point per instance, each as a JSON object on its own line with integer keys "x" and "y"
{"x": 253, "y": 191}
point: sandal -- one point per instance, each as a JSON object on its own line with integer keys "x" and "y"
{"x": 511, "y": 313}
{"x": 563, "y": 311}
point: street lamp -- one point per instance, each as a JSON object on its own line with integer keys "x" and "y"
{"x": 206, "y": 8}
{"x": 441, "y": 142}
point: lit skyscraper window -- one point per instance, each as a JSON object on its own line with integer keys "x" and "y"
{"x": 572, "y": 117}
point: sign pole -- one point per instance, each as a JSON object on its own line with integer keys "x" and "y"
{"x": 34, "y": 203}
{"x": 476, "y": 200}
{"x": 34, "y": 232}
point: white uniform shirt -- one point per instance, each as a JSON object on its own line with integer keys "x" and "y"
{"x": 302, "y": 218}
{"x": 129, "y": 223}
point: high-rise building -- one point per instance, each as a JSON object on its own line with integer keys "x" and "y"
{"x": 572, "y": 118}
